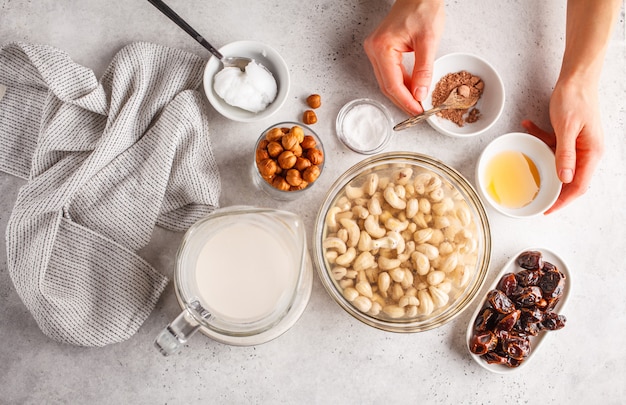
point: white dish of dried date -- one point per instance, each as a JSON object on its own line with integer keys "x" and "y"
{"x": 522, "y": 307}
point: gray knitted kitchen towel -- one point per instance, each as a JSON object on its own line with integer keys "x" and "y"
{"x": 105, "y": 162}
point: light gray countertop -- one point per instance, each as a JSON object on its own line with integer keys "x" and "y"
{"x": 329, "y": 356}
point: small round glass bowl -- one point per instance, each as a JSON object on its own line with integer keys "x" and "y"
{"x": 364, "y": 125}
{"x": 490, "y": 104}
{"x": 288, "y": 160}
{"x": 402, "y": 242}
{"x": 522, "y": 146}
{"x": 261, "y": 53}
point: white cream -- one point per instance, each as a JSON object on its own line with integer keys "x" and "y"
{"x": 252, "y": 90}
{"x": 242, "y": 272}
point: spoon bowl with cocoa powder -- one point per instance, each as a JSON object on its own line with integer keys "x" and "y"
{"x": 460, "y": 98}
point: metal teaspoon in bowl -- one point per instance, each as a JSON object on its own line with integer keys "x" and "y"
{"x": 234, "y": 61}
{"x": 455, "y": 101}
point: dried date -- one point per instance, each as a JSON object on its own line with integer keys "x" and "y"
{"x": 519, "y": 307}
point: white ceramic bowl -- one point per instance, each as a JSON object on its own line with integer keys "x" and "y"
{"x": 263, "y": 54}
{"x": 536, "y": 341}
{"x": 540, "y": 154}
{"x": 490, "y": 104}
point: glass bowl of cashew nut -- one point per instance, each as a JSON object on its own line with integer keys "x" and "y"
{"x": 402, "y": 242}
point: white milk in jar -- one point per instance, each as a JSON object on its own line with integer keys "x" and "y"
{"x": 243, "y": 272}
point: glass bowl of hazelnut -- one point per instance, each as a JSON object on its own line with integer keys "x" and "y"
{"x": 288, "y": 159}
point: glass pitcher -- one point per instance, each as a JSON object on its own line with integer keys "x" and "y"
{"x": 243, "y": 277}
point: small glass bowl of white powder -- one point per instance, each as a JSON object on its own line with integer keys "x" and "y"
{"x": 364, "y": 125}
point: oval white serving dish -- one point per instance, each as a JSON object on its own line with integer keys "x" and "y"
{"x": 536, "y": 341}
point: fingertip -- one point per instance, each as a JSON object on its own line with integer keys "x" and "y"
{"x": 566, "y": 175}
{"x": 420, "y": 93}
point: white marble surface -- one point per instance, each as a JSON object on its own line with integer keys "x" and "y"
{"x": 328, "y": 356}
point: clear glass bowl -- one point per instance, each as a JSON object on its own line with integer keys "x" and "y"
{"x": 364, "y": 125}
{"x": 264, "y": 182}
{"x": 416, "y": 220}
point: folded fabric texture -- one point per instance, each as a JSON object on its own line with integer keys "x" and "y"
{"x": 106, "y": 161}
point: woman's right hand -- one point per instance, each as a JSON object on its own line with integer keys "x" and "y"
{"x": 411, "y": 26}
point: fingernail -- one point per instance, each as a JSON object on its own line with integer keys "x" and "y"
{"x": 566, "y": 175}
{"x": 420, "y": 93}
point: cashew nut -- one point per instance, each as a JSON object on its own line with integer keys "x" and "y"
{"x": 353, "y": 231}
{"x": 346, "y": 258}
{"x": 372, "y": 227}
{"x": 393, "y": 199}
{"x": 334, "y": 243}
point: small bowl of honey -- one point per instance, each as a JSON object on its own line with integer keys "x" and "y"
{"x": 516, "y": 174}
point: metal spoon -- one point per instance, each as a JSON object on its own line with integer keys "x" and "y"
{"x": 236, "y": 61}
{"x": 455, "y": 101}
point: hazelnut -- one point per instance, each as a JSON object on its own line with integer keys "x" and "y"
{"x": 274, "y": 134}
{"x": 309, "y": 117}
{"x": 267, "y": 168}
{"x": 274, "y": 149}
{"x": 311, "y": 174}
{"x": 263, "y": 143}
{"x": 293, "y": 177}
{"x": 280, "y": 183}
{"x": 316, "y": 156}
{"x": 289, "y": 141}
{"x": 297, "y": 150}
{"x": 302, "y": 163}
{"x": 303, "y": 184}
{"x": 287, "y": 159}
{"x": 298, "y": 132}
{"x": 308, "y": 142}
{"x": 261, "y": 154}
{"x": 314, "y": 101}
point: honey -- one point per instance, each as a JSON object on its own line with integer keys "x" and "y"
{"x": 512, "y": 179}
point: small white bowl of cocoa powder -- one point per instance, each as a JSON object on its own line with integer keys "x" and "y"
{"x": 477, "y": 77}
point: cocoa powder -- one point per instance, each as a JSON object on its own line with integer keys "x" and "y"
{"x": 448, "y": 83}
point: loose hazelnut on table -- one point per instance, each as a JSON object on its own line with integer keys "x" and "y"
{"x": 309, "y": 117}
{"x": 314, "y": 101}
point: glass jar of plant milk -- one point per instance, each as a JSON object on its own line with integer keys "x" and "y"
{"x": 243, "y": 277}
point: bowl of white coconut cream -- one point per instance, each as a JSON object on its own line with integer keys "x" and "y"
{"x": 250, "y": 95}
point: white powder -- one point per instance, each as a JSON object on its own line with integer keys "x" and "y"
{"x": 365, "y": 127}
{"x": 252, "y": 90}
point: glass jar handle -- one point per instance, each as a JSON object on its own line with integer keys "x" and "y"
{"x": 176, "y": 333}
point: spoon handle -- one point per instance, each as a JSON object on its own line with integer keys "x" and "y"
{"x": 171, "y": 14}
{"x": 409, "y": 122}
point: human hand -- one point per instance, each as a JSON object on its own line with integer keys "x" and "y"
{"x": 577, "y": 140}
{"x": 411, "y": 26}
